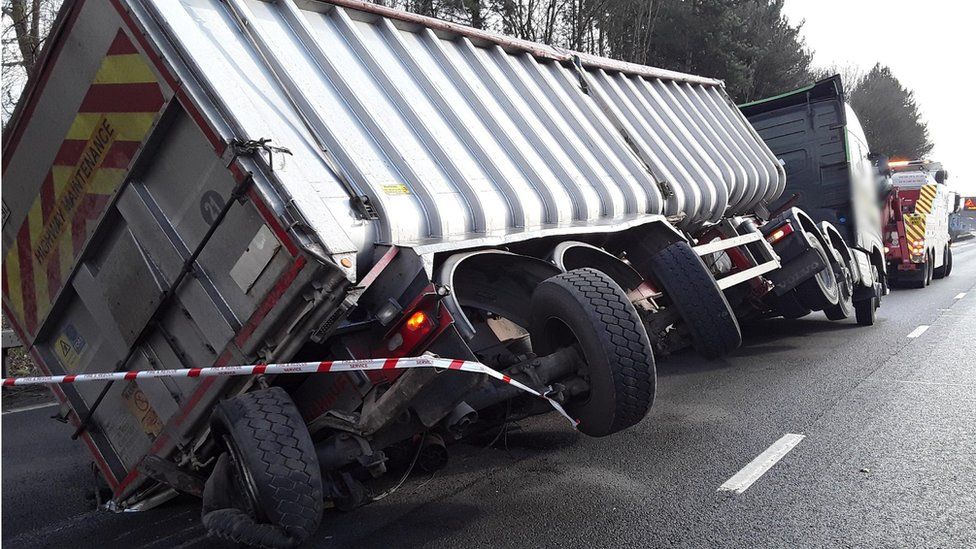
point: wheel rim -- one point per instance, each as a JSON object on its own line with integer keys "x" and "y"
{"x": 245, "y": 480}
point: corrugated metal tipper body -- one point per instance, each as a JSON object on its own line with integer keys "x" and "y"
{"x": 455, "y": 135}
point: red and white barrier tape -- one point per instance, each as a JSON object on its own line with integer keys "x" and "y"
{"x": 295, "y": 368}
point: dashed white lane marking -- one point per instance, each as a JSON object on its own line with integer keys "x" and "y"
{"x": 29, "y": 408}
{"x": 960, "y": 295}
{"x": 756, "y": 468}
{"x": 918, "y": 331}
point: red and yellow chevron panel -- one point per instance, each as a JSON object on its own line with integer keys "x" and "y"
{"x": 926, "y": 195}
{"x": 914, "y": 227}
{"x": 114, "y": 118}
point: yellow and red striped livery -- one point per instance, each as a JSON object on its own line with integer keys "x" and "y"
{"x": 115, "y": 116}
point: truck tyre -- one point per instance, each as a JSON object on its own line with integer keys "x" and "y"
{"x": 943, "y": 271}
{"x": 789, "y": 306}
{"x": 865, "y": 310}
{"x": 585, "y": 307}
{"x": 820, "y": 291}
{"x": 692, "y": 289}
{"x": 274, "y": 468}
{"x": 921, "y": 281}
{"x": 929, "y": 268}
{"x": 948, "y": 270}
{"x": 845, "y": 306}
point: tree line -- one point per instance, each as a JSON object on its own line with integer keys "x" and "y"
{"x": 750, "y": 44}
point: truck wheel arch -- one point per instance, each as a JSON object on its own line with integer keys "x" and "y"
{"x": 837, "y": 241}
{"x": 809, "y": 225}
{"x": 494, "y": 280}
{"x": 571, "y": 255}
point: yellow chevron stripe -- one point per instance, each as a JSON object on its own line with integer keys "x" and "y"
{"x": 66, "y": 251}
{"x": 129, "y": 126}
{"x": 915, "y": 226}
{"x": 124, "y": 69}
{"x": 66, "y": 255}
{"x": 104, "y": 181}
{"x": 35, "y": 221}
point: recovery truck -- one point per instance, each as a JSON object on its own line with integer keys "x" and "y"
{"x": 834, "y": 186}
{"x": 192, "y": 185}
{"x": 916, "y": 223}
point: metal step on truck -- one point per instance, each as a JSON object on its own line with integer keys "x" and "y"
{"x": 835, "y": 186}
{"x": 916, "y": 223}
{"x": 397, "y": 201}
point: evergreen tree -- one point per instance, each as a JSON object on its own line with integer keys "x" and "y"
{"x": 890, "y": 116}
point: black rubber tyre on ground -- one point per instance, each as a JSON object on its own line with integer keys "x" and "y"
{"x": 866, "y": 310}
{"x": 845, "y": 289}
{"x": 943, "y": 271}
{"x": 275, "y": 471}
{"x": 921, "y": 281}
{"x": 820, "y": 291}
{"x": 691, "y": 289}
{"x": 585, "y": 307}
{"x": 789, "y": 306}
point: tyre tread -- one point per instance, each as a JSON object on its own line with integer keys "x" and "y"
{"x": 702, "y": 305}
{"x": 281, "y": 457}
{"x": 629, "y": 348}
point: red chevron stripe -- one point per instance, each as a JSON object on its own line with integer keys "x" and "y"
{"x": 138, "y": 97}
{"x": 90, "y": 208}
{"x": 121, "y": 45}
{"x": 53, "y": 268}
{"x": 47, "y": 197}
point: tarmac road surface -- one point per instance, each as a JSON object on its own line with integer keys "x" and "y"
{"x": 884, "y": 455}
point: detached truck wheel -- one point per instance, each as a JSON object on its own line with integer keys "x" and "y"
{"x": 692, "y": 289}
{"x": 584, "y": 307}
{"x": 273, "y": 469}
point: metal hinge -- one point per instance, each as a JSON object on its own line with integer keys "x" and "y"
{"x": 666, "y": 190}
{"x": 293, "y": 217}
{"x": 364, "y": 207}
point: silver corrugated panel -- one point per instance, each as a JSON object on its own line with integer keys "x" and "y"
{"x": 455, "y": 134}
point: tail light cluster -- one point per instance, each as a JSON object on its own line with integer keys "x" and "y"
{"x": 917, "y": 249}
{"x": 780, "y": 233}
{"x": 420, "y": 323}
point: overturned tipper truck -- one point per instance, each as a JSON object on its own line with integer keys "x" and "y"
{"x": 196, "y": 184}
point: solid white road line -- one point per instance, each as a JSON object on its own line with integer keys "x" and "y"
{"x": 763, "y": 462}
{"x": 29, "y": 408}
{"x": 918, "y": 331}
{"x": 960, "y": 295}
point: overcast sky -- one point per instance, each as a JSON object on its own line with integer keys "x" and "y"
{"x": 930, "y": 47}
